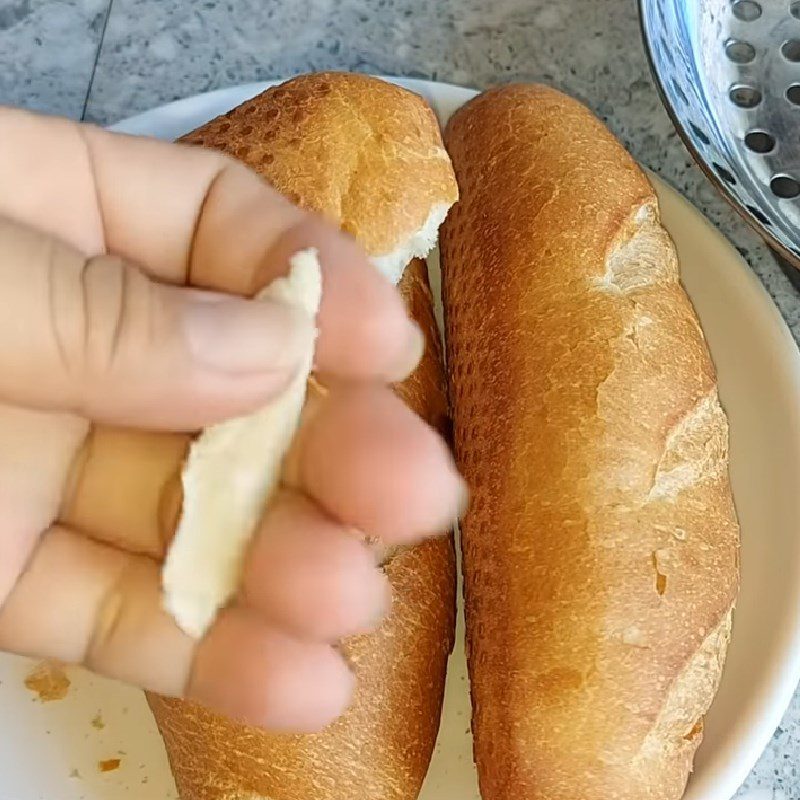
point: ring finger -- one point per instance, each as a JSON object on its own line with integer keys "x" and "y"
{"x": 311, "y": 576}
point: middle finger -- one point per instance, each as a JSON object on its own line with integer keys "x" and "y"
{"x": 361, "y": 455}
{"x": 371, "y": 463}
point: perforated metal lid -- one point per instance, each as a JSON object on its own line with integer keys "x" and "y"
{"x": 729, "y": 73}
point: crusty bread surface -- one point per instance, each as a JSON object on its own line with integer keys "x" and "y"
{"x": 365, "y": 153}
{"x": 601, "y": 544}
{"x": 369, "y": 156}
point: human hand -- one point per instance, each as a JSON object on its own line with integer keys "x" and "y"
{"x": 98, "y": 235}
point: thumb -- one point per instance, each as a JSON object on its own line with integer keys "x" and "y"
{"x": 99, "y": 337}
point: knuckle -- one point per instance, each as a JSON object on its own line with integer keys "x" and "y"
{"x": 115, "y": 307}
{"x": 104, "y": 307}
{"x": 107, "y": 621}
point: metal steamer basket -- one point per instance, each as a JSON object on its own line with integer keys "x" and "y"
{"x": 729, "y": 74}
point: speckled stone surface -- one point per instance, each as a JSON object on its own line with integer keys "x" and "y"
{"x": 154, "y": 51}
{"x": 47, "y": 52}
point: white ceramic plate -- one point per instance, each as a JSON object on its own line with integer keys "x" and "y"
{"x": 43, "y": 745}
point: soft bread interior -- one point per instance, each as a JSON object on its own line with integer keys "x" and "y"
{"x": 419, "y": 245}
{"x": 230, "y": 474}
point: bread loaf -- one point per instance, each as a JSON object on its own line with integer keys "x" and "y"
{"x": 369, "y": 156}
{"x": 383, "y": 744}
{"x": 601, "y": 545}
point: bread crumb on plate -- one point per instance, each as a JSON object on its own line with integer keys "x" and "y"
{"x": 48, "y": 681}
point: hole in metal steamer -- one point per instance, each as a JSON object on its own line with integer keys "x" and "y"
{"x": 746, "y": 10}
{"x": 794, "y": 9}
{"x": 744, "y": 96}
{"x": 793, "y": 94}
{"x": 784, "y": 186}
{"x": 790, "y": 50}
{"x": 759, "y": 141}
{"x": 739, "y": 52}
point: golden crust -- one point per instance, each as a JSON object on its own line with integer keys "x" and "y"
{"x": 380, "y": 748}
{"x": 363, "y": 152}
{"x": 600, "y": 548}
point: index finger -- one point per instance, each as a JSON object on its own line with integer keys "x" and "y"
{"x": 187, "y": 214}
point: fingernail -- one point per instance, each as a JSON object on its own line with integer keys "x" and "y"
{"x": 411, "y": 354}
{"x": 237, "y": 335}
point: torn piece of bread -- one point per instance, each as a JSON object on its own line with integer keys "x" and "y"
{"x": 232, "y": 470}
{"x": 418, "y": 245}
{"x": 601, "y": 544}
{"x": 377, "y": 147}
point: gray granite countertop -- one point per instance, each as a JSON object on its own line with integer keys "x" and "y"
{"x": 106, "y": 59}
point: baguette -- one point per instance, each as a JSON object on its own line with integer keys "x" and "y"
{"x": 369, "y": 156}
{"x": 601, "y": 545}
{"x": 383, "y": 744}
